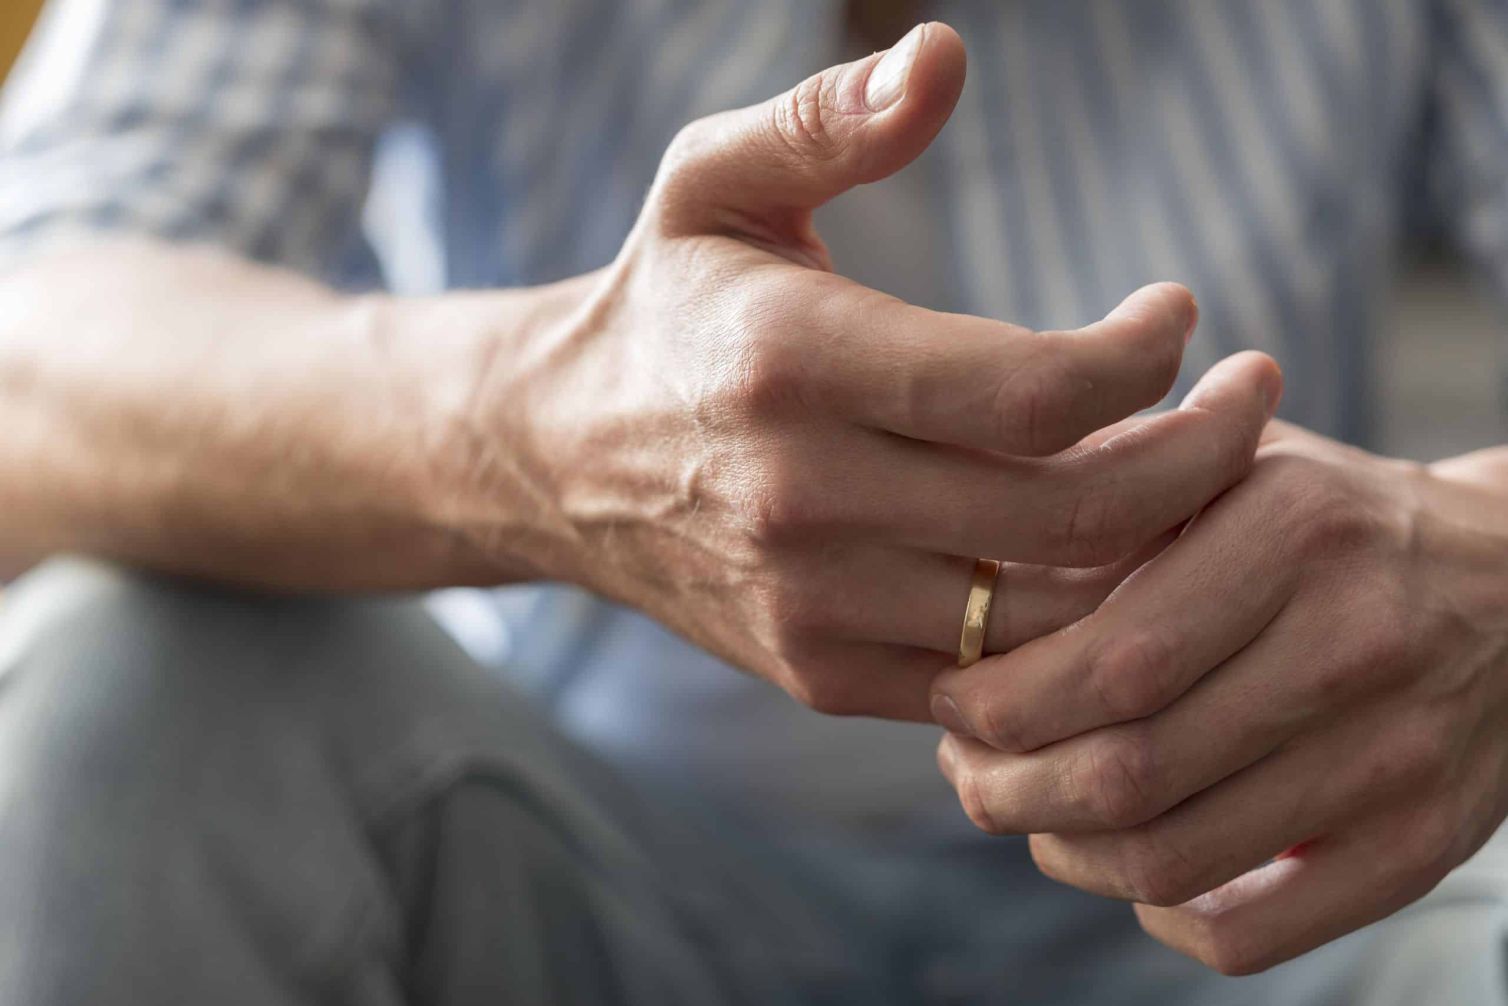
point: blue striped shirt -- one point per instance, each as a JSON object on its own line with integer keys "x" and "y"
{"x": 1275, "y": 156}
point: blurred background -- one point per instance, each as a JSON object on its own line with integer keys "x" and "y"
{"x": 1440, "y": 372}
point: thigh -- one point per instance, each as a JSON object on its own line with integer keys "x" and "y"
{"x": 209, "y": 797}
{"x": 504, "y": 895}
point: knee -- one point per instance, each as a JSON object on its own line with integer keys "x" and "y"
{"x": 118, "y": 685}
{"x": 166, "y": 779}
{"x": 117, "y": 681}
{"x": 94, "y": 644}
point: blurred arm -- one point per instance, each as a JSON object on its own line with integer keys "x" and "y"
{"x": 208, "y": 413}
{"x": 190, "y": 411}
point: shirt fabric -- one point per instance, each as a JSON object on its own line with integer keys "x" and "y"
{"x": 1275, "y": 156}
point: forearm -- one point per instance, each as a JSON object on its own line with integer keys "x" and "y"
{"x": 191, "y": 412}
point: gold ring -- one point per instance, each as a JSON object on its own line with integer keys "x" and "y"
{"x": 976, "y": 614}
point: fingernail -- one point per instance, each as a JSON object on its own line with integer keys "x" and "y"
{"x": 1193, "y": 322}
{"x": 948, "y": 716}
{"x": 887, "y": 81}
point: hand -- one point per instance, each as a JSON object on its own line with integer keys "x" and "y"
{"x": 797, "y": 472}
{"x": 1290, "y": 723}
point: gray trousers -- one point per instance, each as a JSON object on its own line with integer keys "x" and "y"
{"x": 211, "y": 798}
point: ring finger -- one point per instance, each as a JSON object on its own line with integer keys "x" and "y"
{"x": 916, "y": 599}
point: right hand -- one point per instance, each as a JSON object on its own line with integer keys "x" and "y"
{"x": 796, "y": 472}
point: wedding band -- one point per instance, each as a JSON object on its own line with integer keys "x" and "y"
{"x": 976, "y": 614}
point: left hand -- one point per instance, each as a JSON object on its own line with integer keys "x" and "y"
{"x": 1290, "y": 723}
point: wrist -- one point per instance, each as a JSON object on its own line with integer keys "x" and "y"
{"x": 1465, "y": 527}
{"x": 414, "y": 370}
{"x": 472, "y": 373}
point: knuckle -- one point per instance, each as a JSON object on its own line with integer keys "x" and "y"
{"x": 798, "y": 608}
{"x": 1115, "y": 784}
{"x": 801, "y": 118}
{"x": 687, "y": 146}
{"x": 683, "y": 163}
{"x": 1428, "y": 746}
{"x": 1388, "y": 642}
{"x": 1430, "y": 848}
{"x": 781, "y": 510}
{"x": 1218, "y": 940}
{"x": 972, "y": 797}
{"x": 1235, "y": 447}
{"x": 1382, "y": 647}
{"x": 1369, "y": 664}
{"x": 916, "y": 395}
{"x": 1093, "y": 528}
{"x": 1385, "y": 769}
{"x": 1084, "y": 524}
{"x": 1333, "y": 523}
{"x": 769, "y": 515}
{"x": 1234, "y": 954}
{"x": 1029, "y": 407}
{"x": 998, "y": 727}
{"x": 769, "y": 375}
{"x": 1130, "y": 673}
{"x": 1157, "y": 358}
{"x": 1155, "y": 870}
{"x": 1327, "y": 519}
{"x": 823, "y": 688}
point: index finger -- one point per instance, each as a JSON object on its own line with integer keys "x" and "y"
{"x": 973, "y": 382}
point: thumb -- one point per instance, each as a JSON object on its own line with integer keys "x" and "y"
{"x": 766, "y": 167}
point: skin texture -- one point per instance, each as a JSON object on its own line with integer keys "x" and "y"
{"x": 1291, "y": 722}
{"x": 785, "y": 467}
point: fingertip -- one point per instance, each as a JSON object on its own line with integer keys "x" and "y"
{"x": 922, "y": 70}
{"x": 937, "y": 76}
{"x": 1270, "y": 377}
{"x": 904, "y": 124}
{"x": 942, "y": 33}
{"x": 1247, "y": 369}
{"x": 1162, "y": 300}
{"x": 944, "y": 50}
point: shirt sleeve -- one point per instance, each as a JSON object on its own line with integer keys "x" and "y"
{"x": 249, "y": 124}
{"x": 1467, "y": 158}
